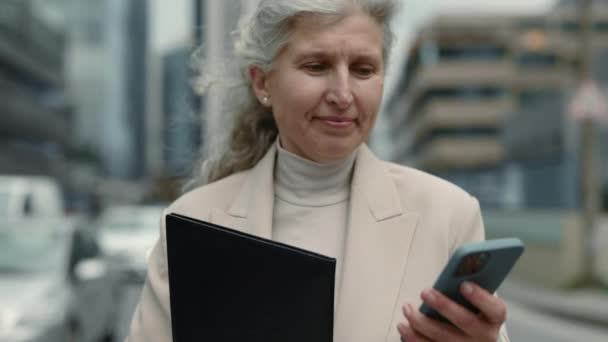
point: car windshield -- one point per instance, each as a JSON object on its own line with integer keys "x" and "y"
{"x": 31, "y": 250}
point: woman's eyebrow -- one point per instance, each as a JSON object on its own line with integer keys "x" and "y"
{"x": 364, "y": 54}
{"x": 312, "y": 54}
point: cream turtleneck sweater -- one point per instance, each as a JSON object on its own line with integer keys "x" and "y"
{"x": 311, "y": 204}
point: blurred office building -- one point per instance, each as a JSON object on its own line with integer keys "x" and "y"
{"x": 220, "y": 19}
{"x": 564, "y": 19}
{"x": 108, "y": 76}
{"x": 483, "y": 102}
{"x": 453, "y": 99}
{"x": 182, "y": 124}
{"x": 35, "y": 114}
{"x": 191, "y": 118}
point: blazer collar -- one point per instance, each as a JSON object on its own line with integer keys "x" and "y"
{"x": 370, "y": 179}
{"x": 255, "y": 200}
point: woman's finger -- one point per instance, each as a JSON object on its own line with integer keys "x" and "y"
{"x": 492, "y": 308}
{"x": 431, "y": 328}
{"x": 468, "y": 322}
{"x": 409, "y": 335}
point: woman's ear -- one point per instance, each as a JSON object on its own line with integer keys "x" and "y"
{"x": 259, "y": 82}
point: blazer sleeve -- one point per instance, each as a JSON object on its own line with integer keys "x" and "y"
{"x": 467, "y": 225}
{"x": 152, "y": 318}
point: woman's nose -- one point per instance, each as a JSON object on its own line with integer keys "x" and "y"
{"x": 339, "y": 92}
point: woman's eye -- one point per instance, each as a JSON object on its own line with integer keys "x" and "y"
{"x": 363, "y": 70}
{"x": 315, "y": 67}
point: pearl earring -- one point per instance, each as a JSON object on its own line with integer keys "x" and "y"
{"x": 265, "y": 99}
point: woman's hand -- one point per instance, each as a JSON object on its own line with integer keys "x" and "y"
{"x": 484, "y": 326}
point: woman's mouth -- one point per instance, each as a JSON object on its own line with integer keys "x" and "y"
{"x": 337, "y": 121}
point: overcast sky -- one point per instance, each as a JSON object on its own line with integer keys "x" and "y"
{"x": 172, "y": 20}
{"x": 171, "y": 23}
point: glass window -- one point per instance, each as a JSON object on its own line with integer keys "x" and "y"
{"x": 532, "y": 23}
{"x": 465, "y": 93}
{"x": 11, "y": 14}
{"x": 601, "y": 26}
{"x": 536, "y": 96}
{"x": 84, "y": 246}
{"x": 472, "y": 52}
{"x": 535, "y": 60}
{"x": 573, "y": 26}
{"x": 569, "y": 26}
{"x": 429, "y": 53}
{"x": 24, "y": 250}
{"x": 93, "y": 30}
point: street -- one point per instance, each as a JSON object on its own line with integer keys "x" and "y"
{"x": 528, "y": 325}
{"x": 523, "y": 324}
{"x": 129, "y": 300}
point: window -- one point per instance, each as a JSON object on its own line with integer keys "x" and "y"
{"x": 93, "y": 32}
{"x": 472, "y": 52}
{"x": 536, "y": 60}
{"x": 569, "y": 26}
{"x": 574, "y": 26}
{"x": 463, "y": 93}
{"x": 11, "y": 14}
{"x": 84, "y": 246}
{"x": 600, "y": 26}
{"x": 538, "y": 96}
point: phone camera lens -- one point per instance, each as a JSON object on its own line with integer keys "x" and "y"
{"x": 483, "y": 257}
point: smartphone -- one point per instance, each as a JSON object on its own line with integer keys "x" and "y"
{"x": 486, "y": 263}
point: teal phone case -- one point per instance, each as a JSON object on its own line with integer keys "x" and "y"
{"x": 485, "y": 263}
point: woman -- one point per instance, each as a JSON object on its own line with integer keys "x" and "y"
{"x": 297, "y": 170}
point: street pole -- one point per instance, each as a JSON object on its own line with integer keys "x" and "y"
{"x": 589, "y": 184}
{"x": 197, "y": 99}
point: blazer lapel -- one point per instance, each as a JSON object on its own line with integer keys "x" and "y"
{"x": 377, "y": 245}
{"x": 251, "y": 210}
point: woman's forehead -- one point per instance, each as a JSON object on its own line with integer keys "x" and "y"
{"x": 358, "y": 31}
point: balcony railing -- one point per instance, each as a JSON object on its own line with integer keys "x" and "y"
{"x": 29, "y": 43}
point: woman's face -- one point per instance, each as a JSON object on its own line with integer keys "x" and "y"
{"x": 326, "y": 86}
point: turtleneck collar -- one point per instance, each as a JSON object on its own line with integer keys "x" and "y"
{"x": 302, "y": 182}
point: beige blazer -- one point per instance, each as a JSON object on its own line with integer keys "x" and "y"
{"x": 404, "y": 225}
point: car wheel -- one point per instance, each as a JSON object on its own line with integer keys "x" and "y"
{"x": 73, "y": 333}
{"x": 109, "y": 337}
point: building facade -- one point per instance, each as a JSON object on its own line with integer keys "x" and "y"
{"x": 483, "y": 102}
{"x": 220, "y": 20}
{"x": 182, "y": 124}
{"x": 35, "y": 115}
{"x": 108, "y": 77}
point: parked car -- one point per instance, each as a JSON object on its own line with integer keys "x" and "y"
{"x": 30, "y": 196}
{"x": 128, "y": 233}
{"x": 55, "y": 283}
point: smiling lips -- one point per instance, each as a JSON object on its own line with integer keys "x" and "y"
{"x": 337, "y": 121}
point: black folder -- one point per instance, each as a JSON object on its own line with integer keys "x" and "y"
{"x": 229, "y": 286}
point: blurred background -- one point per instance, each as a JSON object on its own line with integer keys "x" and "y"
{"x": 100, "y": 129}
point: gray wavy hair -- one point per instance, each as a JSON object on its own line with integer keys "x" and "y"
{"x": 258, "y": 41}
